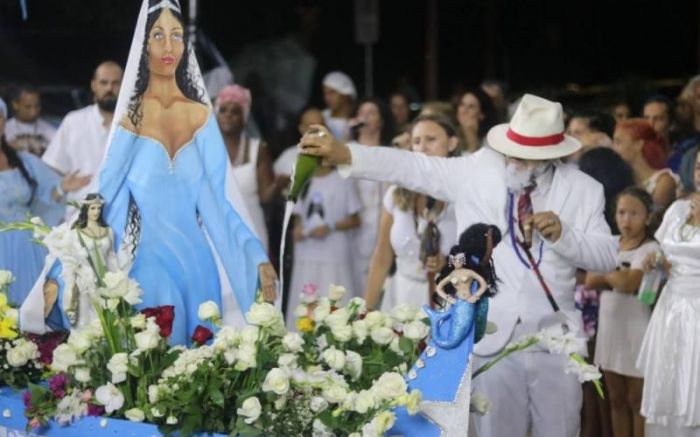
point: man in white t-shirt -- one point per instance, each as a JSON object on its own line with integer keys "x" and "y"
{"x": 26, "y": 131}
{"x": 81, "y": 140}
{"x": 339, "y": 95}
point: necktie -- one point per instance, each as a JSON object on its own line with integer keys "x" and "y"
{"x": 525, "y": 212}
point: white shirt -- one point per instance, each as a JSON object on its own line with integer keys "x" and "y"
{"x": 284, "y": 164}
{"x": 79, "y": 145}
{"x": 30, "y": 137}
{"x": 339, "y": 127}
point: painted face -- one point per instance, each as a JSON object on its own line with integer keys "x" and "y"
{"x": 309, "y": 118}
{"x": 696, "y": 174}
{"x": 94, "y": 211}
{"x": 626, "y": 146}
{"x": 27, "y": 107}
{"x": 656, "y": 113}
{"x": 369, "y": 114}
{"x": 631, "y": 216}
{"x": 166, "y": 44}
{"x": 430, "y": 138}
{"x": 469, "y": 110}
{"x": 230, "y": 117}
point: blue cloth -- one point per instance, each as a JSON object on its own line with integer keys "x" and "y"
{"x": 178, "y": 201}
{"x": 18, "y": 253}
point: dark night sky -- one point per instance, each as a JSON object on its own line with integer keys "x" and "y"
{"x": 534, "y": 44}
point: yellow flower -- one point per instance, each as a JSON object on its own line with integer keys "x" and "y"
{"x": 7, "y": 329}
{"x": 413, "y": 401}
{"x": 305, "y": 325}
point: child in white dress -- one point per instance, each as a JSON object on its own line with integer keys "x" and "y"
{"x": 623, "y": 319}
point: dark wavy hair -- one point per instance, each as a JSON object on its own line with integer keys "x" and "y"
{"x": 645, "y": 198}
{"x": 474, "y": 242}
{"x": 82, "y": 220}
{"x": 182, "y": 75}
{"x": 388, "y": 131}
{"x": 14, "y": 161}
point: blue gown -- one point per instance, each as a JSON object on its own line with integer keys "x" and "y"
{"x": 180, "y": 202}
{"x": 18, "y": 253}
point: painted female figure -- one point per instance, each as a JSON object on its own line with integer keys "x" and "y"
{"x": 163, "y": 181}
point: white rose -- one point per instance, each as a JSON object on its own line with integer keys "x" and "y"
{"x": 342, "y": 333}
{"x": 337, "y": 318}
{"x": 322, "y": 310}
{"x": 374, "y": 319}
{"x": 109, "y": 396}
{"x": 416, "y": 330}
{"x": 20, "y": 355}
{"x": 147, "y": 340}
{"x": 396, "y": 346}
{"x": 250, "y": 334}
{"x": 250, "y": 409}
{"x": 156, "y": 412}
{"x": 301, "y": 311}
{"x": 382, "y": 335}
{"x": 293, "y": 342}
{"x": 334, "y": 393}
{"x": 404, "y": 312}
{"x": 280, "y": 403}
{"x": 82, "y": 374}
{"x": 118, "y": 366}
{"x": 277, "y": 381}
{"x": 318, "y": 404}
{"x": 357, "y": 305}
{"x": 153, "y": 394}
{"x": 364, "y": 401}
{"x": 479, "y": 404}
{"x": 138, "y": 321}
{"x": 230, "y": 356}
{"x": 135, "y": 415}
{"x": 360, "y": 330}
{"x": 118, "y": 285}
{"x": 321, "y": 430}
{"x": 246, "y": 357}
{"x": 263, "y": 314}
{"x": 63, "y": 357}
{"x": 288, "y": 361}
{"x": 353, "y": 364}
{"x": 383, "y": 421}
{"x": 171, "y": 420}
{"x": 6, "y": 278}
{"x": 334, "y": 358}
{"x": 80, "y": 341}
{"x": 336, "y": 292}
{"x": 389, "y": 386}
{"x": 209, "y": 310}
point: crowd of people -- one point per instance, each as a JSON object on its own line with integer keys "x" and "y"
{"x": 420, "y": 176}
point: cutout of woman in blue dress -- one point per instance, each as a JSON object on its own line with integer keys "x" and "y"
{"x": 442, "y": 372}
{"x": 163, "y": 181}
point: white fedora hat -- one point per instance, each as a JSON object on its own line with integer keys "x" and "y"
{"x": 535, "y": 132}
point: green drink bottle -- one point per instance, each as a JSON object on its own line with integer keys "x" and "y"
{"x": 303, "y": 171}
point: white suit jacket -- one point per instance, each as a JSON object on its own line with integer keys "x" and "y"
{"x": 476, "y": 186}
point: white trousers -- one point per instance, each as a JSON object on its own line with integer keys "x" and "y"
{"x": 528, "y": 391}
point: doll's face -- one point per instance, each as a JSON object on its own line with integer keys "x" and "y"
{"x": 94, "y": 211}
{"x": 166, "y": 44}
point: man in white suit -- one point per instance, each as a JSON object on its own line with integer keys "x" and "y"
{"x": 519, "y": 184}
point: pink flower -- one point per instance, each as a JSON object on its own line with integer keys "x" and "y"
{"x": 57, "y": 385}
{"x": 86, "y": 396}
{"x": 309, "y": 293}
{"x": 34, "y": 423}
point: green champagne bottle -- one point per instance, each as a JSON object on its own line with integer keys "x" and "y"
{"x": 303, "y": 171}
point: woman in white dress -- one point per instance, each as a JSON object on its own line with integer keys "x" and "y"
{"x": 323, "y": 217}
{"x": 670, "y": 353}
{"x": 622, "y": 318}
{"x": 403, "y": 221}
{"x": 249, "y": 157}
{"x": 373, "y": 128}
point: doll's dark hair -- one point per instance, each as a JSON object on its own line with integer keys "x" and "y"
{"x": 183, "y": 76}
{"x": 82, "y": 220}
{"x": 476, "y": 243}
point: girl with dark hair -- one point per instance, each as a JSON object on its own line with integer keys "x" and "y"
{"x": 404, "y": 219}
{"x": 166, "y": 164}
{"x": 623, "y": 319}
{"x": 27, "y": 186}
{"x": 476, "y": 116}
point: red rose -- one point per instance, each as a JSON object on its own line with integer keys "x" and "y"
{"x": 202, "y": 335}
{"x": 164, "y": 315}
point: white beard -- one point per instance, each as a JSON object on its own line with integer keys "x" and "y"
{"x": 519, "y": 176}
